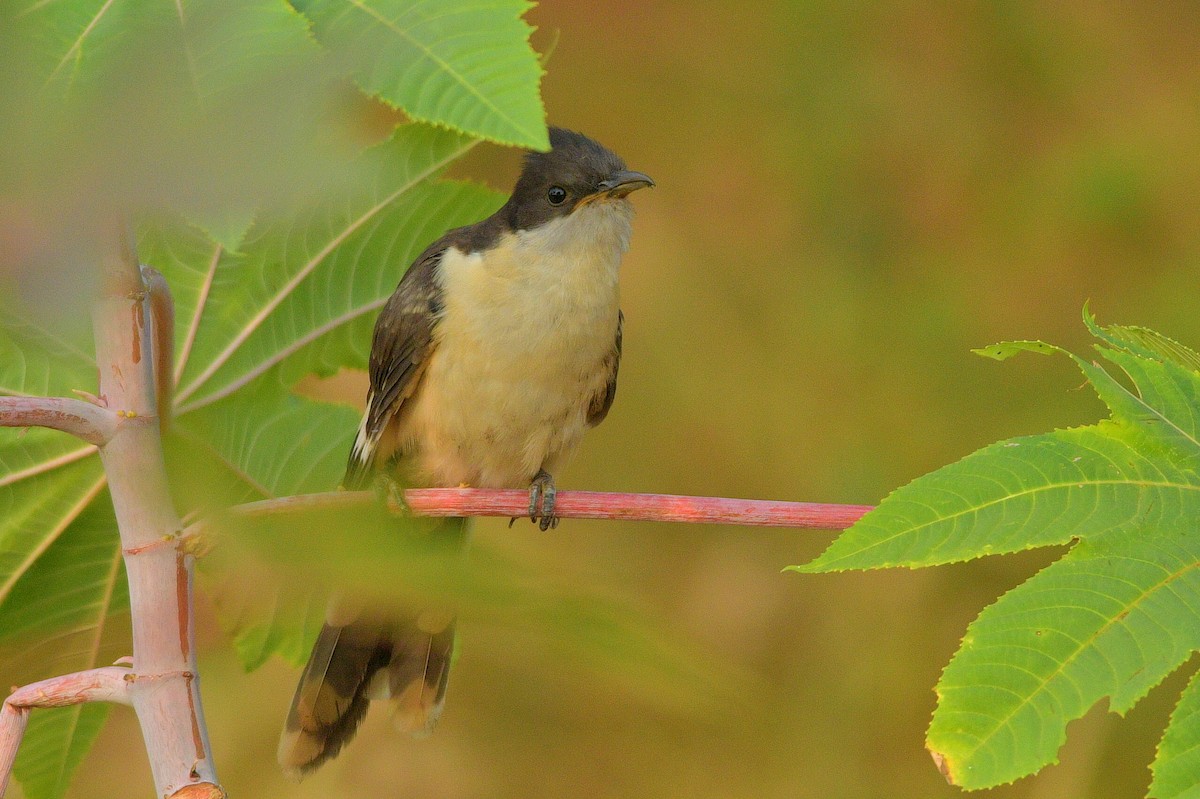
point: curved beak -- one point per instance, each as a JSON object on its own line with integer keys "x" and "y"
{"x": 621, "y": 183}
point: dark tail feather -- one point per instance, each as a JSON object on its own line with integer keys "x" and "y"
{"x": 360, "y": 658}
{"x": 407, "y": 663}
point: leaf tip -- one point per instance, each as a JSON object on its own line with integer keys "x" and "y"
{"x": 1007, "y": 349}
{"x": 944, "y": 766}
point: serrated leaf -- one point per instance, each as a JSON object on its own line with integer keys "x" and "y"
{"x": 1164, "y": 402}
{"x": 1109, "y": 619}
{"x": 1177, "y": 767}
{"x": 1143, "y": 342}
{"x": 1112, "y": 618}
{"x": 464, "y": 64}
{"x": 1017, "y": 495}
{"x": 1007, "y": 349}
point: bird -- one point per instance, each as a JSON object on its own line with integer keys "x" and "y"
{"x": 497, "y": 351}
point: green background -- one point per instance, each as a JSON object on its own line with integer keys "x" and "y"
{"x": 850, "y": 198}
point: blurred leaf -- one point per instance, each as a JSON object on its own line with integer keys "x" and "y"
{"x": 69, "y": 588}
{"x": 464, "y": 64}
{"x": 319, "y": 275}
{"x": 280, "y": 569}
{"x": 238, "y": 125}
{"x": 1177, "y": 766}
{"x": 202, "y": 106}
{"x": 1110, "y": 619}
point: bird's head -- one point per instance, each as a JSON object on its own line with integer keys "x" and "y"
{"x": 575, "y": 173}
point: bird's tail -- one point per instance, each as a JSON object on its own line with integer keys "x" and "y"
{"x": 404, "y": 659}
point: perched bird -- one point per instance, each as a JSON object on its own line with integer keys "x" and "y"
{"x": 497, "y": 351}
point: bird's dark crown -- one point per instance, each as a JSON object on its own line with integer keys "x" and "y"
{"x": 574, "y": 163}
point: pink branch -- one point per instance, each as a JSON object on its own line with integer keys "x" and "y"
{"x": 165, "y": 689}
{"x": 637, "y": 507}
{"x": 108, "y": 684}
{"x": 92, "y": 423}
{"x": 581, "y": 505}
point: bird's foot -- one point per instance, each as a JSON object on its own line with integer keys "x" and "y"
{"x": 390, "y": 493}
{"x": 541, "y": 501}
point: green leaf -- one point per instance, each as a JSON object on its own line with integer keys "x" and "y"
{"x": 1112, "y": 618}
{"x": 1007, "y": 349}
{"x": 35, "y": 360}
{"x": 275, "y": 442}
{"x": 1144, "y": 342}
{"x": 464, "y": 64}
{"x": 233, "y": 104}
{"x": 304, "y": 289}
{"x": 57, "y": 619}
{"x": 1177, "y": 767}
{"x": 54, "y": 745}
{"x": 1017, "y": 495}
{"x": 37, "y": 506}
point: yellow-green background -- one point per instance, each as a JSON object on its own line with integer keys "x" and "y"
{"x": 850, "y": 197}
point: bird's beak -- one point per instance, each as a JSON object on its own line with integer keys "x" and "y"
{"x": 624, "y": 182}
{"x": 618, "y": 185}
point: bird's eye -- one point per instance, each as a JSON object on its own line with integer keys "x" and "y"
{"x": 557, "y": 195}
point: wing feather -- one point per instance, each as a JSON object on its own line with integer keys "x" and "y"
{"x": 603, "y": 399}
{"x": 400, "y": 349}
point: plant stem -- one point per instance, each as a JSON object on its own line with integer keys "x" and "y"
{"x": 108, "y": 684}
{"x": 92, "y": 423}
{"x": 164, "y": 687}
{"x": 578, "y": 505}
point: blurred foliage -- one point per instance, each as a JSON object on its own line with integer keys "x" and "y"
{"x": 233, "y": 135}
{"x": 850, "y": 197}
{"x": 1111, "y": 618}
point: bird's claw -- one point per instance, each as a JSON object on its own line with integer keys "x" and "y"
{"x": 390, "y": 494}
{"x": 541, "y": 501}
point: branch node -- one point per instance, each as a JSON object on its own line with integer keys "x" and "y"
{"x": 162, "y": 675}
{"x": 84, "y": 420}
{"x": 87, "y": 396}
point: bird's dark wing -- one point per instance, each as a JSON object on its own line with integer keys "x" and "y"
{"x": 603, "y": 400}
{"x": 400, "y": 351}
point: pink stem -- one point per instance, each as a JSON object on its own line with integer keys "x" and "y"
{"x": 165, "y": 689}
{"x": 637, "y": 507}
{"x": 584, "y": 505}
{"x": 108, "y": 684}
{"x": 92, "y": 423}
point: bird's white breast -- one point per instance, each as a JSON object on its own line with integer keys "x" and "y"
{"x": 521, "y": 348}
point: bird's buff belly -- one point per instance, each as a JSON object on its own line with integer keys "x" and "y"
{"x": 490, "y": 420}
